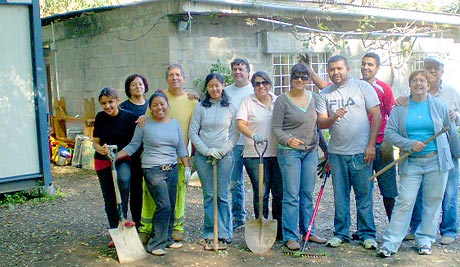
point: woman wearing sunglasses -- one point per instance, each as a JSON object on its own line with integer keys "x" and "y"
{"x": 294, "y": 124}
{"x": 254, "y": 121}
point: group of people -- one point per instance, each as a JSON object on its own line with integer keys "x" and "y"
{"x": 229, "y": 123}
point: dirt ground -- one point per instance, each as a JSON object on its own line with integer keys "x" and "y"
{"x": 72, "y": 231}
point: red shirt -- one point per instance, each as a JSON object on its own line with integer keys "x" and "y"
{"x": 387, "y": 101}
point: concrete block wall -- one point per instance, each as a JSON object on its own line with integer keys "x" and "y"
{"x": 129, "y": 40}
{"x": 102, "y": 49}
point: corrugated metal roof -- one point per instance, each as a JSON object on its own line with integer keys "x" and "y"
{"x": 326, "y": 7}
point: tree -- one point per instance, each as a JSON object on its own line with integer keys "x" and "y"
{"x": 53, "y": 7}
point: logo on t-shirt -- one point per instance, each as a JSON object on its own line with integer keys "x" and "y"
{"x": 340, "y": 103}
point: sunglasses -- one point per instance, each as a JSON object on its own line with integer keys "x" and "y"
{"x": 297, "y": 76}
{"x": 264, "y": 83}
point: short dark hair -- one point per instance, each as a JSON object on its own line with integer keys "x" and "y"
{"x": 224, "y": 101}
{"x": 109, "y": 92}
{"x": 261, "y": 74}
{"x": 130, "y": 79}
{"x": 299, "y": 68}
{"x": 337, "y": 58}
{"x": 158, "y": 93}
{"x": 174, "y": 66}
{"x": 374, "y": 56}
{"x": 242, "y": 61}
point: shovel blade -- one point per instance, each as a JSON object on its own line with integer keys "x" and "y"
{"x": 127, "y": 243}
{"x": 260, "y": 235}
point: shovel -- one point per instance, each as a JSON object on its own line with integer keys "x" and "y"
{"x": 127, "y": 243}
{"x": 215, "y": 244}
{"x": 260, "y": 234}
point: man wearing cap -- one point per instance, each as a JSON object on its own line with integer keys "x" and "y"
{"x": 451, "y": 97}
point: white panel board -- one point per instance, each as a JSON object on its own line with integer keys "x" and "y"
{"x": 18, "y": 129}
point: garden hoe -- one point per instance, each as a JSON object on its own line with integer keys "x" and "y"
{"x": 215, "y": 244}
{"x": 127, "y": 243}
{"x": 260, "y": 234}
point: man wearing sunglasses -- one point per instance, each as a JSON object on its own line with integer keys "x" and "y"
{"x": 237, "y": 91}
{"x": 343, "y": 107}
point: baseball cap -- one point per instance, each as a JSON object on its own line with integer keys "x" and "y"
{"x": 433, "y": 59}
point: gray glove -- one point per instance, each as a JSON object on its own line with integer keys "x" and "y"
{"x": 214, "y": 152}
{"x": 258, "y": 138}
{"x": 188, "y": 175}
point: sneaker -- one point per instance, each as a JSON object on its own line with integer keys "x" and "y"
{"x": 355, "y": 236}
{"x": 409, "y": 236}
{"x": 238, "y": 226}
{"x": 334, "y": 242}
{"x": 158, "y": 252}
{"x": 384, "y": 252}
{"x": 292, "y": 245}
{"x": 175, "y": 245}
{"x": 447, "y": 240}
{"x": 177, "y": 235}
{"x": 225, "y": 240}
{"x": 370, "y": 244}
{"x": 317, "y": 239}
{"x": 129, "y": 224}
{"x": 424, "y": 250}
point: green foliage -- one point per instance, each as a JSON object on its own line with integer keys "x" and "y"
{"x": 53, "y": 7}
{"x": 225, "y": 70}
{"x": 34, "y": 196}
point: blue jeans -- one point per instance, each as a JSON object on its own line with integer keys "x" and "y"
{"x": 108, "y": 191}
{"x": 162, "y": 185}
{"x": 224, "y": 168}
{"x": 422, "y": 173}
{"x": 352, "y": 171}
{"x": 237, "y": 187}
{"x": 449, "y": 220}
{"x": 273, "y": 183}
{"x": 387, "y": 180}
{"x": 298, "y": 169}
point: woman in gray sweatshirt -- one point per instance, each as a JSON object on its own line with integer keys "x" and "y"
{"x": 213, "y": 133}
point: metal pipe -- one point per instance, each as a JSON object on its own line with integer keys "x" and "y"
{"x": 393, "y": 14}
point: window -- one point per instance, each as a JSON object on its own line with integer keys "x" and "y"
{"x": 283, "y": 62}
{"x": 416, "y": 61}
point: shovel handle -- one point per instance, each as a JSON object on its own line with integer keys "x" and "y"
{"x": 261, "y": 189}
{"x": 113, "y": 158}
{"x": 406, "y": 155}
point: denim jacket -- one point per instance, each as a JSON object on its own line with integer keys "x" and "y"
{"x": 448, "y": 145}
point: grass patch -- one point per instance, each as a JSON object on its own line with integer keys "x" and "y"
{"x": 34, "y": 196}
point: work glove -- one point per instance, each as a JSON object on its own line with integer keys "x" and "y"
{"x": 322, "y": 166}
{"x": 386, "y": 150}
{"x": 258, "y": 138}
{"x": 215, "y": 153}
{"x": 188, "y": 175}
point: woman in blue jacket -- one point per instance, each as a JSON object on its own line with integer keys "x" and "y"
{"x": 427, "y": 167}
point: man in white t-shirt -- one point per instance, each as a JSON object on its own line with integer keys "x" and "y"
{"x": 237, "y": 91}
{"x": 343, "y": 107}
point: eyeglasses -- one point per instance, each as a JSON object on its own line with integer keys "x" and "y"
{"x": 264, "y": 83}
{"x": 297, "y": 76}
{"x": 422, "y": 81}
